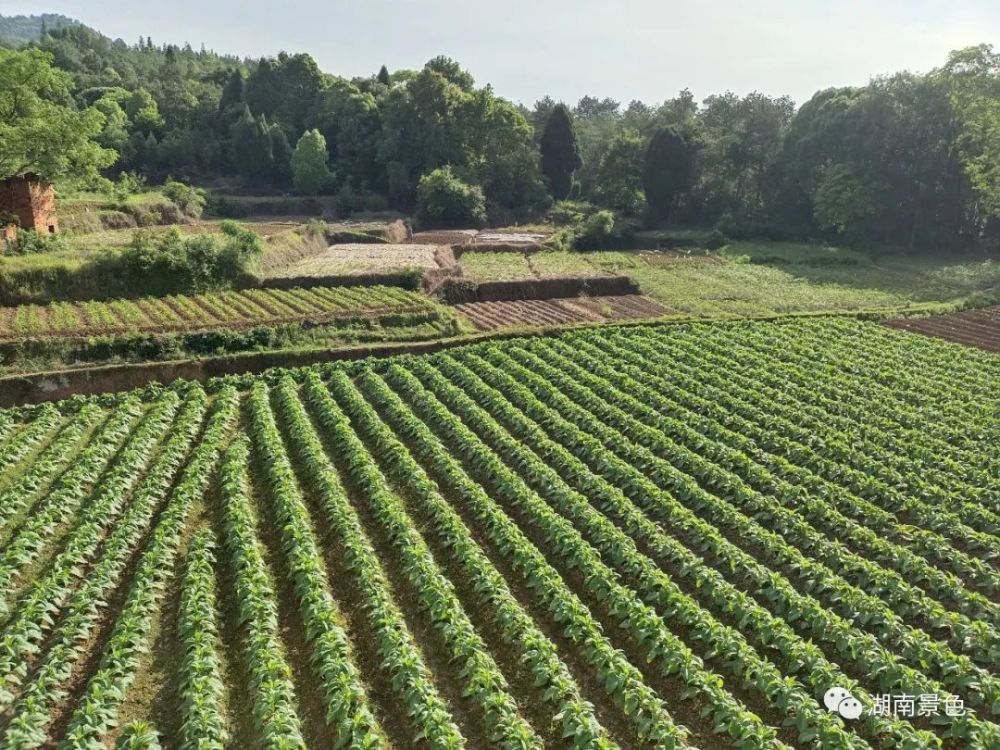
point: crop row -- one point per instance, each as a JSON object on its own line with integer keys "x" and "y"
{"x": 81, "y": 616}
{"x": 728, "y": 513}
{"x": 660, "y": 537}
{"x": 178, "y": 312}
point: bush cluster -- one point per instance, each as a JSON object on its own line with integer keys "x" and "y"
{"x": 172, "y": 263}
{"x": 444, "y": 201}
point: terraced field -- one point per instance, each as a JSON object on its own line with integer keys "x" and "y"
{"x": 492, "y": 315}
{"x": 361, "y": 260}
{"x": 656, "y": 537}
{"x": 235, "y": 309}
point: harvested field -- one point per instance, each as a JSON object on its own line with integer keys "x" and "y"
{"x": 362, "y": 260}
{"x": 978, "y": 328}
{"x": 510, "y": 238}
{"x": 491, "y": 315}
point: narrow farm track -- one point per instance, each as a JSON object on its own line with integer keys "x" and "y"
{"x": 656, "y": 537}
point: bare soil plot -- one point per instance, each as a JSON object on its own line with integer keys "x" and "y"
{"x": 491, "y": 315}
{"x": 978, "y": 328}
{"x": 511, "y": 238}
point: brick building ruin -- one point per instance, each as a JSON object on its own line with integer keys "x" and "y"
{"x": 32, "y": 201}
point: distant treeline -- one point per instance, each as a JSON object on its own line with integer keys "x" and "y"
{"x": 908, "y": 159}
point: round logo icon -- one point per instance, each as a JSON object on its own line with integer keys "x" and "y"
{"x": 834, "y": 696}
{"x": 841, "y": 701}
{"x": 850, "y": 708}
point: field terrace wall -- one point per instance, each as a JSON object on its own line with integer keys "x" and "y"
{"x": 456, "y": 291}
{"x": 404, "y": 279}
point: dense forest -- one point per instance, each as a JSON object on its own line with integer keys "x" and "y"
{"x": 17, "y": 30}
{"x": 909, "y": 159}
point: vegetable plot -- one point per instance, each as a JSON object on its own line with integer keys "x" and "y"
{"x": 243, "y": 309}
{"x": 639, "y": 537}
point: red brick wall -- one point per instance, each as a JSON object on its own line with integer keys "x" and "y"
{"x": 32, "y": 200}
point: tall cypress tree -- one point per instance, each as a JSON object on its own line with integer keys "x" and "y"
{"x": 560, "y": 153}
{"x": 252, "y": 147}
{"x": 383, "y": 76}
{"x": 281, "y": 154}
{"x": 668, "y": 171}
{"x": 232, "y": 91}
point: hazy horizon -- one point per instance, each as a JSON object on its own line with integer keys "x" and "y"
{"x": 639, "y": 50}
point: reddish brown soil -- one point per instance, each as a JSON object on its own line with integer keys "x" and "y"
{"x": 491, "y": 315}
{"x": 978, "y": 328}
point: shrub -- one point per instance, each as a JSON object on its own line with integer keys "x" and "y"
{"x": 351, "y": 201}
{"x": 116, "y": 220}
{"x": 29, "y": 242}
{"x": 598, "y": 231}
{"x": 569, "y": 213}
{"x": 172, "y": 263}
{"x": 234, "y": 209}
{"x": 128, "y": 184}
{"x": 562, "y": 239}
{"x": 189, "y": 199}
{"x": 444, "y": 201}
{"x": 716, "y": 239}
{"x": 605, "y": 230}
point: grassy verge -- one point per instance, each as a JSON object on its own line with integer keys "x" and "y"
{"x": 753, "y": 279}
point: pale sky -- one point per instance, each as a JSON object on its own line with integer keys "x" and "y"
{"x": 645, "y": 49}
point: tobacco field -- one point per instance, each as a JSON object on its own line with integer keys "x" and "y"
{"x": 671, "y": 536}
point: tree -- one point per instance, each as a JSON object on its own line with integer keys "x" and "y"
{"x": 143, "y": 111}
{"x": 115, "y": 131}
{"x": 310, "y": 173}
{"x": 741, "y": 140}
{"x": 383, "y": 76}
{"x": 899, "y": 133}
{"x": 972, "y": 76}
{"x": 424, "y": 126}
{"x": 619, "y": 179}
{"x": 844, "y": 201}
{"x": 233, "y": 92}
{"x": 285, "y": 89}
{"x": 281, "y": 154}
{"x": 251, "y": 142}
{"x": 501, "y": 156}
{"x": 539, "y": 115}
{"x": 597, "y": 122}
{"x": 443, "y": 200}
{"x": 452, "y": 71}
{"x": 560, "y": 153}
{"x": 349, "y": 120}
{"x": 668, "y": 171}
{"x": 39, "y": 132}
